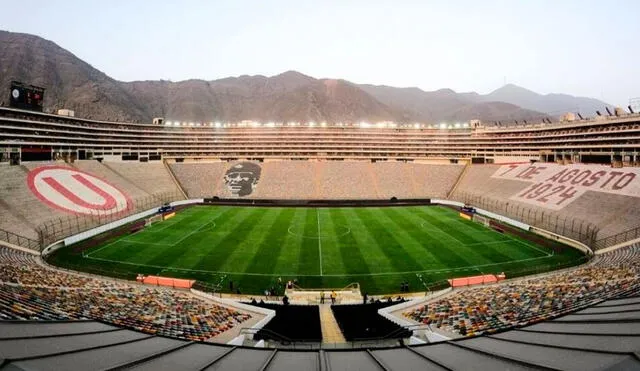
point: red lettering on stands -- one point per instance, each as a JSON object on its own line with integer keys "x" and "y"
{"x": 569, "y": 193}
{"x": 534, "y": 171}
{"x": 614, "y": 174}
{"x": 594, "y": 178}
{"x": 556, "y": 176}
{"x": 511, "y": 167}
{"x": 568, "y": 176}
{"x": 538, "y": 192}
{"x": 533, "y": 187}
{"x": 580, "y": 177}
{"x": 545, "y": 198}
{"x": 628, "y": 177}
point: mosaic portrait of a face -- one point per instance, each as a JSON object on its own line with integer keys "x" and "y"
{"x": 241, "y": 179}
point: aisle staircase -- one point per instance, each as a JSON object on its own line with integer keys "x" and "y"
{"x": 462, "y": 174}
{"x": 175, "y": 179}
{"x": 331, "y": 332}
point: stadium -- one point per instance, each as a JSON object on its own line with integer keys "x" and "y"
{"x": 467, "y": 233}
{"x": 196, "y": 208}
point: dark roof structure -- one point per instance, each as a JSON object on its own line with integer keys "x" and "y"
{"x": 603, "y": 337}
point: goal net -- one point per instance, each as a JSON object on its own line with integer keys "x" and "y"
{"x": 481, "y": 220}
{"x": 151, "y": 220}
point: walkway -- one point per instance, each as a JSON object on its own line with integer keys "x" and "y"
{"x": 331, "y": 332}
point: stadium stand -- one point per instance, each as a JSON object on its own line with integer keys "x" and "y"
{"x": 151, "y": 177}
{"x": 362, "y": 321}
{"x": 200, "y": 179}
{"x": 30, "y": 291}
{"x": 611, "y": 213}
{"x": 515, "y": 303}
{"x": 298, "y": 180}
{"x": 435, "y": 181}
{"x": 21, "y": 211}
{"x": 325, "y": 179}
{"x": 102, "y": 170}
{"x": 25, "y": 214}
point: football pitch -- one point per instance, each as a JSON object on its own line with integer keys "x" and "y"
{"x": 377, "y": 247}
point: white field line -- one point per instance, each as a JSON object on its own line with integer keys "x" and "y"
{"x": 508, "y": 239}
{"x": 102, "y": 248}
{"x": 168, "y": 224}
{"x": 146, "y": 243}
{"x": 530, "y": 246}
{"x": 319, "y": 239}
{"x": 123, "y": 238}
{"x": 199, "y": 228}
{"x": 315, "y": 275}
{"x": 547, "y": 255}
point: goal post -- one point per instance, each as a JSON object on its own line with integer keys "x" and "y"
{"x": 481, "y": 220}
{"x": 152, "y": 220}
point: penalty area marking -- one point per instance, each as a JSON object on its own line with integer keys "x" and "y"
{"x": 507, "y": 240}
{"x": 167, "y": 268}
{"x": 124, "y": 238}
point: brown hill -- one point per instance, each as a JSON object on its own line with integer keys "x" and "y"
{"x": 446, "y": 105}
{"x": 74, "y": 84}
{"x": 70, "y": 82}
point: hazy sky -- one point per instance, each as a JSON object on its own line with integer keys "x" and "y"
{"x": 580, "y": 47}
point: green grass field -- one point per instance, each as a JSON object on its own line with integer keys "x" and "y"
{"x": 378, "y": 247}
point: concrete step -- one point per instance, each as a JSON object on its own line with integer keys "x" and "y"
{"x": 331, "y": 332}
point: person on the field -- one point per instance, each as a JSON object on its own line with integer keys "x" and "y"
{"x": 242, "y": 178}
{"x": 321, "y": 297}
{"x": 333, "y": 297}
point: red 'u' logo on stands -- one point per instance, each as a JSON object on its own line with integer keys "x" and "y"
{"x": 77, "y": 192}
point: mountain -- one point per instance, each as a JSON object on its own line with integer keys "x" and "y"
{"x": 552, "y": 104}
{"x": 70, "y": 82}
{"x": 290, "y": 96}
{"x": 446, "y": 105}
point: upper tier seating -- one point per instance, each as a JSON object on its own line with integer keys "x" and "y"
{"x": 29, "y": 291}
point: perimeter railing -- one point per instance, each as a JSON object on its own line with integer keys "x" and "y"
{"x": 571, "y": 227}
{"x": 628, "y": 235}
{"x": 18, "y": 240}
{"x": 58, "y": 228}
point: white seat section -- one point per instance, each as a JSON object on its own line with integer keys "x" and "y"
{"x": 324, "y": 179}
{"x": 23, "y": 213}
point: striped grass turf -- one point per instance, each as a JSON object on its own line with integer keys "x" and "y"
{"x": 378, "y": 247}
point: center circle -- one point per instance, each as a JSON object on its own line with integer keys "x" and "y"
{"x": 340, "y": 231}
